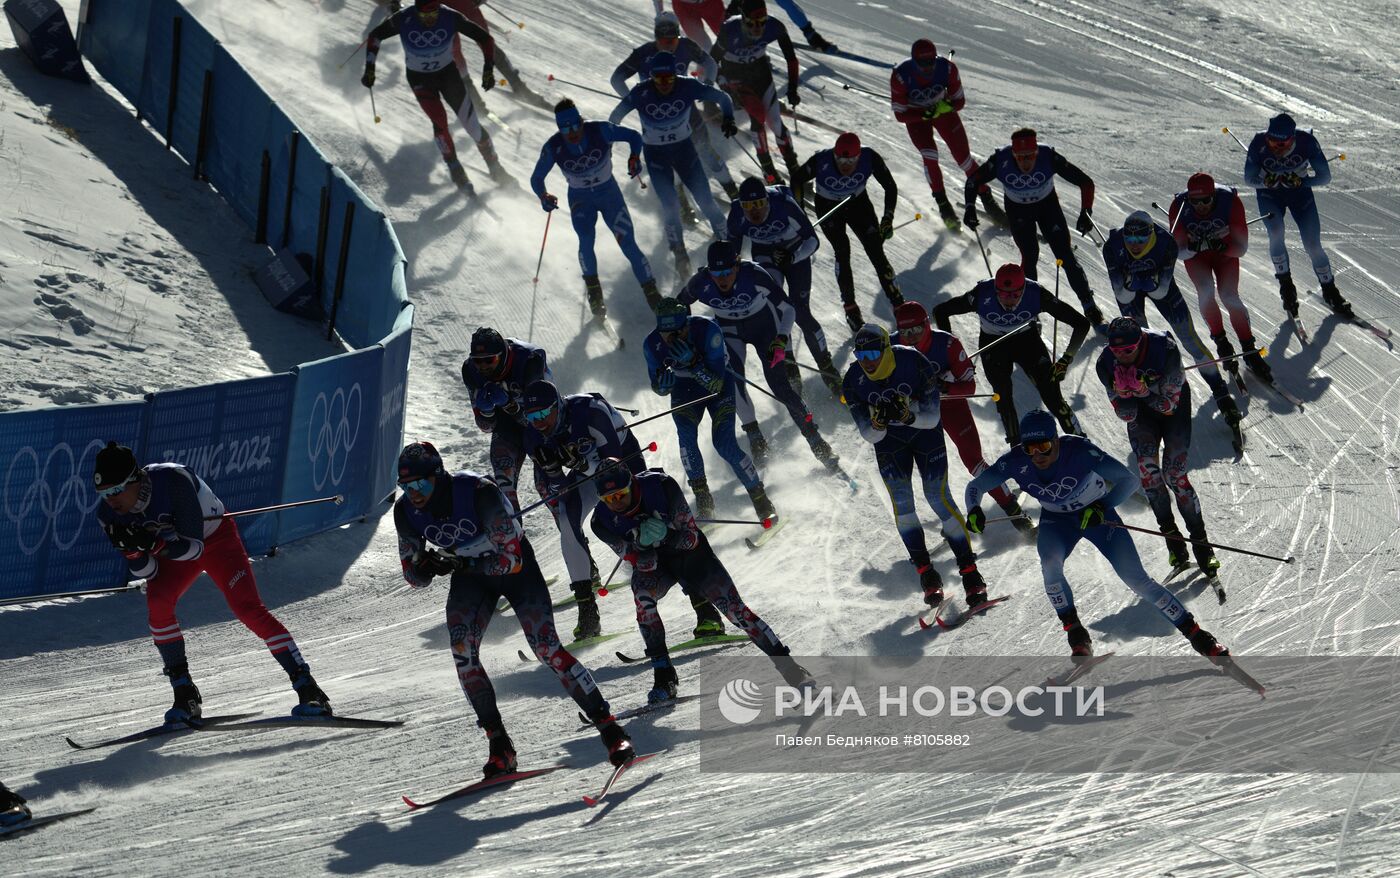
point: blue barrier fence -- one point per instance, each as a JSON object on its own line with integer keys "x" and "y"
{"x": 329, "y": 427}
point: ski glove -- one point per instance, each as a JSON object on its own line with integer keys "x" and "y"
{"x": 728, "y": 127}
{"x": 490, "y": 397}
{"x": 1084, "y": 225}
{"x": 548, "y": 202}
{"x": 777, "y": 350}
{"x": 976, "y": 520}
{"x": 130, "y": 537}
{"x": 488, "y": 78}
{"x": 781, "y": 257}
{"x": 438, "y": 564}
{"x": 970, "y": 217}
{"x": 793, "y": 97}
{"x": 886, "y": 228}
{"x": 1094, "y": 515}
{"x": 634, "y": 165}
{"x": 665, "y": 381}
{"x": 368, "y": 79}
{"x": 1061, "y": 368}
{"x": 651, "y": 533}
{"x": 941, "y": 108}
{"x": 548, "y": 459}
{"x": 682, "y": 354}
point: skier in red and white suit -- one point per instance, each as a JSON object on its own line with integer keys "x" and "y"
{"x": 694, "y": 15}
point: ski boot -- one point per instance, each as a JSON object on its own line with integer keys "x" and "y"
{"x": 311, "y": 701}
{"x": 704, "y": 500}
{"x": 708, "y": 622}
{"x": 770, "y": 172}
{"x": 794, "y": 674}
{"x": 890, "y": 287}
{"x": 187, "y": 700}
{"x": 762, "y": 506}
{"x": 820, "y": 449}
{"x": 1091, "y": 311}
{"x": 652, "y": 294}
{"x": 683, "y": 266}
{"x": 830, "y": 377}
{"x": 817, "y": 41}
{"x": 1081, "y": 645}
{"x": 731, "y": 189}
{"x": 616, "y": 739}
{"x": 459, "y": 176}
{"x": 1229, "y": 410}
{"x": 688, "y": 214}
{"x": 1205, "y": 556}
{"x": 589, "y": 624}
{"x": 1255, "y": 361}
{"x": 501, "y": 758}
{"x": 1223, "y": 348}
{"x": 13, "y": 810}
{"x": 1202, "y": 641}
{"x": 1288, "y": 293}
{"x": 758, "y": 446}
{"x": 664, "y": 684}
{"x": 929, "y": 580}
{"x": 854, "y": 319}
{"x": 1333, "y": 297}
{"x": 946, "y": 211}
{"x": 789, "y": 158}
{"x": 1177, "y": 555}
{"x": 974, "y": 586}
{"x": 594, "y": 288}
{"x": 1068, "y": 420}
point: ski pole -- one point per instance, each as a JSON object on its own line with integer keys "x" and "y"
{"x": 765, "y": 392}
{"x": 33, "y": 599}
{"x": 603, "y": 592}
{"x": 1263, "y": 352}
{"x": 791, "y": 114}
{"x": 596, "y": 91}
{"x": 1262, "y": 216}
{"x": 547, "y": 217}
{"x": 1158, "y": 533}
{"x": 1097, "y": 231}
{"x": 1226, "y": 130}
{"x": 1055, "y": 340}
{"x": 337, "y": 499}
{"x": 553, "y": 498}
{"x": 1008, "y": 518}
{"x": 1171, "y": 228}
{"x": 751, "y": 156}
{"x": 985, "y": 261}
{"x": 996, "y": 397}
{"x": 519, "y": 24}
{"x": 372, "y": 108}
{"x": 669, "y": 410}
{"x": 765, "y": 523}
{"x": 838, "y": 206}
{"x": 865, "y": 91}
{"x": 917, "y": 217}
{"x": 998, "y": 340}
{"x": 353, "y": 52}
{"x": 623, "y": 408}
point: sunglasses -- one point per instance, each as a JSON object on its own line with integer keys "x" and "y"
{"x": 755, "y": 204}
{"x": 487, "y": 361}
{"x": 1123, "y": 350}
{"x": 1038, "y": 449}
{"x": 1201, "y": 199}
{"x": 614, "y": 497}
{"x": 869, "y": 356}
{"x": 663, "y": 77}
{"x": 418, "y": 486}
{"x": 755, "y": 22}
{"x": 722, "y": 272}
{"x": 114, "y": 490}
{"x": 571, "y": 129}
{"x": 536, "y": 417}
{"x": 1137, "y": 240}
{"x": 914, "y": 332}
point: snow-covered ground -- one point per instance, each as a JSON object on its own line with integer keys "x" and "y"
{"x": 1136, "y": 94}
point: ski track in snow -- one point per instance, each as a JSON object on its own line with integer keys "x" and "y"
{"x": 1150, "y": 89}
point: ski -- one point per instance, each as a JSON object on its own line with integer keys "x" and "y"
{"x": 157, "y": 731}
{"x": 601, "y": 321}
{"x": 500, "y": 780}
{"x": 1284, "y": 394}
{"x": 804, "y": 119}
{"x": 1240, "y": 386}
{"x": 1298, "y": 328}
{"x": 644, "y": 710}
{"x": 37, "y": 822}
{"x": 581, "y": 643}
{"x": 1216, "y": 585}
{"x": 1237, "y": 438}
{"x": 1227, "y": 666}
{"x": 762, "y": 539}
{"x": 1359, "y": 321}
{"x": 591, "y": 801}
{"x": 332, "y": 722}
{"x": 950, "y": 624}
{"x": 694, "y": 643}
{"x": 1177, "y": 571}
{"x": 849, "y": 56}
{"x": 1079, "y": 670}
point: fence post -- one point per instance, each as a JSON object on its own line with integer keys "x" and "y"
{"x": 322, "y": 229}
{"x": 340, "y": 265}
{"x": 177, "y": 24}
{"x": 203, "y": 126}
{"x": 264, "y": 183}
{"x": 291, "y": 187}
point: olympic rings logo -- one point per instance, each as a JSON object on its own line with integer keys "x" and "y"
{"x": 586, "y": 162}
{"x": 329, "y": 432}
{"x": 769, "y": 231}
{"x": 736, "y": 302}
{"x": 427, "y": 39}
{"x": 928, "y": 95}
{"x": 838, "y": 183}
{"x": 1058, "y": 490}
{"x": 451, "y": 533}
{"x": 666, "y": 109}
{"x": 1207, "y": 228}
{"x": 39, "y": 496}
{"x": 892, "y": 393}
{"x": 1007, "y": 318}
{"x": 1024, "y": 181}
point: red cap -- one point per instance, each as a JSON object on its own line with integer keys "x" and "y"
{"x": 924, "y": 51}
{"x": 1010, "y": 278}
{"x": 1023, "y": 142}
{"x": 848, "y": 145}
{"x": 910, "y": 314}
{"x": 1201, "y": 185}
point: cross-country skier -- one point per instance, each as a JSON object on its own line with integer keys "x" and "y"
{"x": 169, "y": 526}
{"x": 799, "y": 18}
{"x": 13, "y": 810}
{"x": 1026, "y": 170}
{"x": 583, "y": 151}
{"x": 746, "y": 73}
{"x": 1003, "y": 305}
{"x": 693, "y": 15}
{"x": 1207, "y": 221}
{"x": 892, "y": 394}
{"x": 1285, "y": 165}
{"x": 687, "y": 359}
{"x": 664, "y": 104}
{"x": 751, "y": 309}
{"x": 645, "y": 518}
{"x": 1079, "y": 488}
{"x": 428, "y": 33}
{"x": 570, "y": 436}
{"x": 1141, "y": 261}
{"x": 1142, "y": 372}
{"x": 957, "y": 377}
{"x": 496, "y": 372}
{"x": 783, "y": 240}
{"x": 843, "y": 172}
{"x": 926, "y": 94}
{"x": 487, "y": 555}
